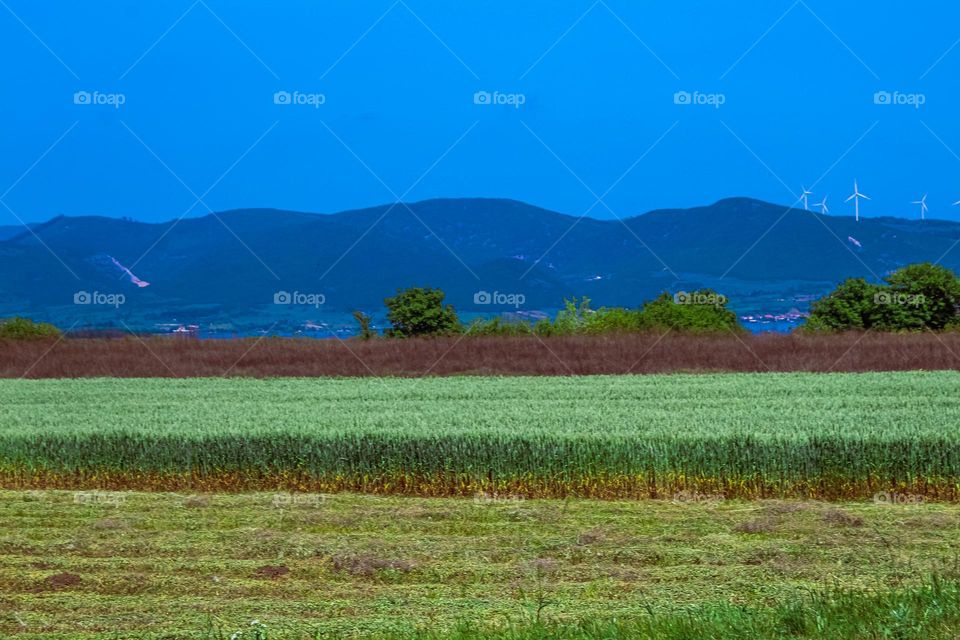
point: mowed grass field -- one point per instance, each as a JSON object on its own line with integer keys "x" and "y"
{"x": 165, "y": 565}
{"x": 824, "y": 436}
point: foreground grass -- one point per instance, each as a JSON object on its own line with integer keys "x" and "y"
{"x": 164, "y": 565}
{"x": 833, "y": 436}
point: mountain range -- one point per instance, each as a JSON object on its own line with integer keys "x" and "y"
{"x": 232, "y": 269}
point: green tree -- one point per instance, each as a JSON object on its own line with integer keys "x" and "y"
{"x": 26, "y": 329}
{"x": 850, "y": 306}
{"x": 366, "y": 333}
{"x": 701, "y": 311}
{"x": 420, "y": 312}
{"x": 914, "y": 298}
{"x": 922, "y": 296}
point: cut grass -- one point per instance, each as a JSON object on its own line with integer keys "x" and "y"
{"x": 833, "y": 436}
{"x": 161, "y": 565}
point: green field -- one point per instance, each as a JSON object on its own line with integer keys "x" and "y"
{"x": 832, "y": 436}
{"x": 164, "y": 565}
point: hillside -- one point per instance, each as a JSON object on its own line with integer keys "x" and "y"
{"x": 229, "y": 266}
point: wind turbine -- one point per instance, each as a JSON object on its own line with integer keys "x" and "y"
{"x": 803, "y": 198}
{"x": 923, "y": 205}
{"x": 856, "y": 199}
{"x": 823, "y": 205}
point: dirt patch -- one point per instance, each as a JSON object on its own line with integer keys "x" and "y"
{"x": 592, "y": 536}
{"x": 935, "y": 521}
{"x": 367, "y": 565}
{"x": 272, "y": 572}
{"x": 197, "y": 502}
{"x": 62, "y": 581}
{"x": 841, "y": 518}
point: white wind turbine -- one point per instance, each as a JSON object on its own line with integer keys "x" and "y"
{"x": 823, "y": 205}
{"x": 803, "y": 198}
{"x": 856, "y": 200}
{"x": 923, "y": 206}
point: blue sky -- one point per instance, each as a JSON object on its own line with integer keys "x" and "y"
{"x": 399, "y": 118}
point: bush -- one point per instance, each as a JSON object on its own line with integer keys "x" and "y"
{"x": 498, "y": 327}
{"x": 702, "y": 311}
{"x": 26, "y": 329}
{"x": 421, "y": 312}
{"x": 914, "y": 298}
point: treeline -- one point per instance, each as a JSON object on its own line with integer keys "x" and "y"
{"x": 918, "y": 297}
{"x": 419, "y": 312}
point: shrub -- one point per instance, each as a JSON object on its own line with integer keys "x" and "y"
{"x": 701, "y": 311}
{"x": 498, "y": 327}
{"x": 26, "y": 329}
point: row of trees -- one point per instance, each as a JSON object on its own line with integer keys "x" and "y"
{"x": 917, "y": 297}
{"x": 422, "y": 312}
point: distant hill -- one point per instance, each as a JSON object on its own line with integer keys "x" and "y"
{"x": 227, "y": 267}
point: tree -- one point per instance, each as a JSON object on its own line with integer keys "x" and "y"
{"x": 366, "y": 333}
{"x": 922, "y": 296}
{"x": 696, "y": 312}
{"x": 850, "y": 306}
{"x": 914, "y": 298}
{"x": 421, "y": 312}
{"x": 26, "y": 329}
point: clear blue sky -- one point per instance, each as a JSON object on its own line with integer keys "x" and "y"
{"x": 797, "y": 81}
